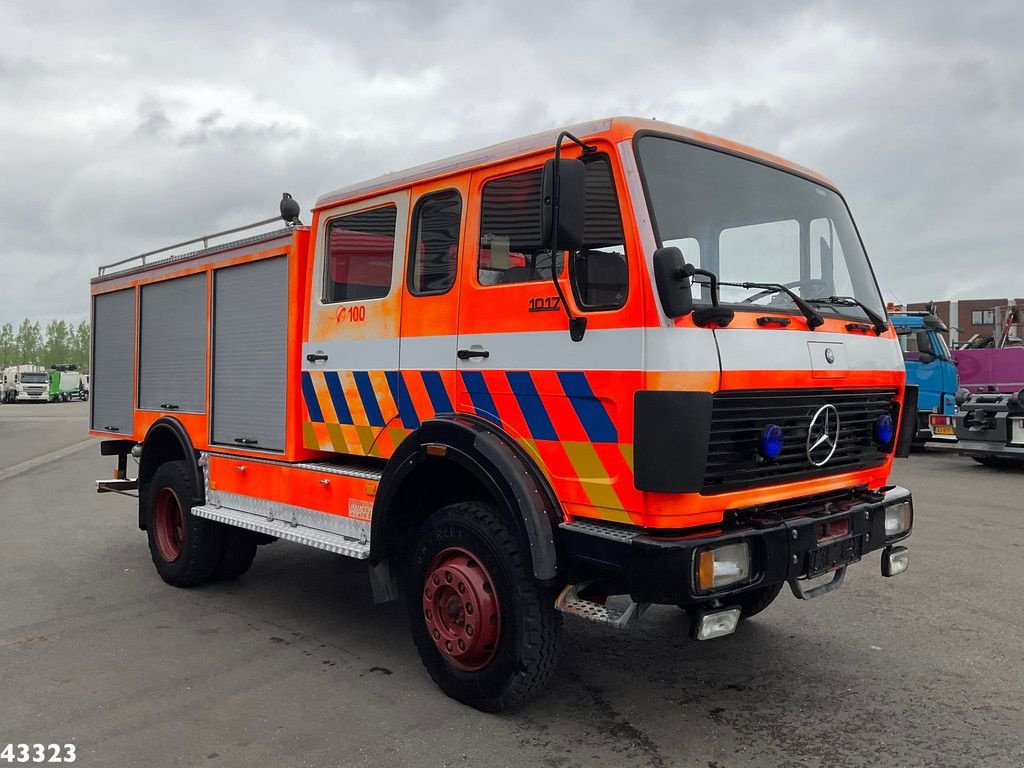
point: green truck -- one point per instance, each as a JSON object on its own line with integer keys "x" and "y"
{"x": 66, "y": 384}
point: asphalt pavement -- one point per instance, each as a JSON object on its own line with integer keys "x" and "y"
{"x": 294, "y": 665}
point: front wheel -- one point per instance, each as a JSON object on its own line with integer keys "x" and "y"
{"x": 486, "y": 631}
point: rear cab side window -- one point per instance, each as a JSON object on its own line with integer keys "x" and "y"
{"x": 360, "y": 255}
{"x": 434, "y": 243}
{"x": 511, "y": 250}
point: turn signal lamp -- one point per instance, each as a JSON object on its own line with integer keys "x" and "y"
{"x": 771, "y": 441}
{"x": 722, "y": 566}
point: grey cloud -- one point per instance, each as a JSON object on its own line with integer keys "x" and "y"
{"x": 143, "y": 124}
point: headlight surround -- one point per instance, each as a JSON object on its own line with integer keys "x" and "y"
{"x": 722, "y": 566}
{"x": 898, "y": 518}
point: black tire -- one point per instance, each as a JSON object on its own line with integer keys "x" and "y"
{"x": 527, "y": 626}
{"x": 199, "y": 542}
{"x": 237, "y": 555}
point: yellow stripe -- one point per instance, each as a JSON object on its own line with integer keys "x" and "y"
{"x": 592, "y": 474}
{"x": 627, "y": 454}
{"x": 337, "y": 438}
{"x": 309, "y": 436}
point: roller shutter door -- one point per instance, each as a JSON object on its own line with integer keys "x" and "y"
{"x": 113, "y": 361}
{"x": 172, "y": 349}
{"x": 250, "y": 327}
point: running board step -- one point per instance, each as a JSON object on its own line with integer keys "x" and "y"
{"x": 569, "y": 601}
{"x": 281, "y": 529}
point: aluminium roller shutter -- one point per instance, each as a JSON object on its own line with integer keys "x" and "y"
{"x": 172, "y": 345}
{"x": 250, "y": 329}
{"x": 113, "y": 361}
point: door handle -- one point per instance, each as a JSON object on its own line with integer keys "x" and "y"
{"x": 246, "y": 440}
{"x": 169, "y": 406}
{"x": 315, "y": 357}
{"x": 466, "y": 354}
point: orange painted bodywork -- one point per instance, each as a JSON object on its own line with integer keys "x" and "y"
{"x": 592, "y": 479}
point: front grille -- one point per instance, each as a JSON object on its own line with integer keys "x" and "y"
{"x": 738, "y": 418}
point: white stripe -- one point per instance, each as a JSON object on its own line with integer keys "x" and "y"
{"x": 601, "y": 350}
{"x": 46, "y": 458}
{"x": 353, "y": 355}
{"x": 744, "y": 349}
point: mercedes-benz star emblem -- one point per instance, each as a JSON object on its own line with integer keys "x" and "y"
{"x": 823, "y": 435}
{"x": 830, "y": 356}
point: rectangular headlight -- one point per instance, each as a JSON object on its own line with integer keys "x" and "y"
{"x": 721, "y": 566}
{"x": 898, "y": 518}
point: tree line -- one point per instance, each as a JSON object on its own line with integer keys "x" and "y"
{"x": 58, "y": 343}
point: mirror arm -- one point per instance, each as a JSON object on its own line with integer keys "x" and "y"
{"x": 577, "y": 325}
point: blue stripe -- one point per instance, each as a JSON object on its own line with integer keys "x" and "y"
{"x": 401, "y": 396}
{"x": 483, "y": 403}
{"x": 338, "y": 397}
{"x": 531, "y": 405}
{"x": 309, "y": 395}
{"x": 369, "y": 398}
{"x": 436, "y": 392}
{"x": 592, "y": 415}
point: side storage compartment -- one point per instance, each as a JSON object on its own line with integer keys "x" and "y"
{"x": 113, "y": 361}
{"x": 172, "y": 348}
{"x": 250, "y": 335}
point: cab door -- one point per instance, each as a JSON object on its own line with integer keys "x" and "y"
{"x": 426, "y": 383}
{"x": 352, "y": 345}
{"x": 568, "y": 404}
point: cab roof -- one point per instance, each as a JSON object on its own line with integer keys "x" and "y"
{"x": 614, "y": 129}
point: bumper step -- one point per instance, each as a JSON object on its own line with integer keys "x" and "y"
{"x": 301, "y": 534}
{"x": 569, "y": 601}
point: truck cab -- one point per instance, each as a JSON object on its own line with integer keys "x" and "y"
{"x": 931, "y": 368}
{"x": 26, "y": 384}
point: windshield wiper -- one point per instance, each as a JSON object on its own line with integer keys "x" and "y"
{"x": 813, "y": 318}
{"x": 848, "y": 301}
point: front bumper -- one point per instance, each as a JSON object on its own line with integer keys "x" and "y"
{"x": 657, "y": 567}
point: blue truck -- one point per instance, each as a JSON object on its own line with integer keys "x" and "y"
{"x": 930, "y": 366}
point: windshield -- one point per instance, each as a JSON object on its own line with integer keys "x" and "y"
{"x": 748, "y": 222}
{"x": 33, "y": 378}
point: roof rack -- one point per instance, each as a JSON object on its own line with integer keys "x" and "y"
{"x": 204, "y": 239}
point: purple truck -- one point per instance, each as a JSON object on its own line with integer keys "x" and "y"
{"x": 989, "y": 420}
{"x": 991, "y": 370}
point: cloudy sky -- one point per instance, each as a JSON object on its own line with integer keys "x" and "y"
{"x": 125, "y": 126}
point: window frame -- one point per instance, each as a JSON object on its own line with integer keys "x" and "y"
{"x": 325, "y": 277}
{"x": 592, "y": 158}
{"x": 414, "y": 229}
{"x": 567, "y": 261}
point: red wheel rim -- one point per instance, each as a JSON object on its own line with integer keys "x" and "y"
{"x": 461, "y": 609}
{"x": 168, "y": 524}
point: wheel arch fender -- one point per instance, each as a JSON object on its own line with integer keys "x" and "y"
{"x": 167, "y": 440}
{"x": 506, "y": 472}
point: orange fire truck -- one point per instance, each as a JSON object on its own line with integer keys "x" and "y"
{"x": 626, "y": 360}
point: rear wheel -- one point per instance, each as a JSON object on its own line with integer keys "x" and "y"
{"x": 186, "y": 549}
{"x": 237, "y": 555}
{"x": 486, "y": 631}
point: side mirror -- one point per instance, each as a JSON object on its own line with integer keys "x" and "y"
{"x": 673, "y": 281}
{"x": 926, "y": 357}
{"x": 571, "y": 202}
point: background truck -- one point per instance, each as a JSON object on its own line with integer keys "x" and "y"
{"x": 579, "y": 373}
{"x": 931, "y": 368}
{"x": 26, "y": 383}
{"x": 65, "y": 383}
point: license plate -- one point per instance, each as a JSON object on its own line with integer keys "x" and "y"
{"x": 943, "y": 429}
{"x": 833, "y": 555}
